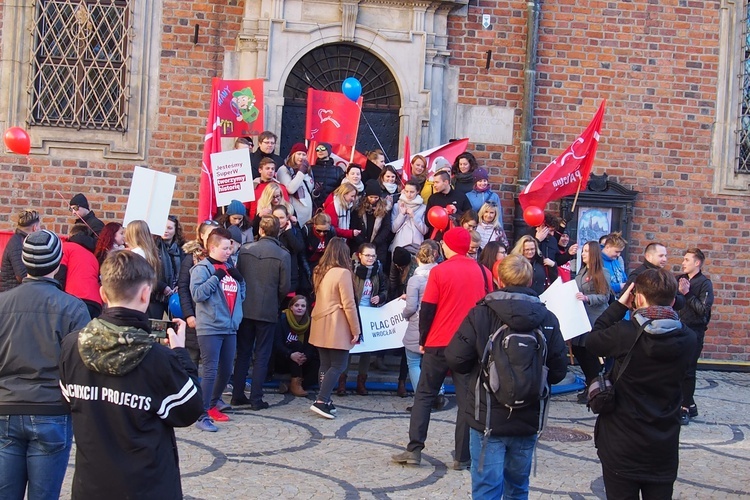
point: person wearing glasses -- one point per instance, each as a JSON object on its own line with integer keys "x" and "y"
{"x": 370, "y": 289}
{"x": 13, "y": 270}
{"x": 266, "y": 146}
{"x": 326, "y": 174}
{"x": 482, "y": 193}
{"x": 266, "y": 177}
{"x": 79, "y": 205}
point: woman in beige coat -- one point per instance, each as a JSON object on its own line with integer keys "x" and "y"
{"x": 335, "y": 324}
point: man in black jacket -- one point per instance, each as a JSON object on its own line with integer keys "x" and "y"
{"x": 698, "y": 292}
{"x": 638, "y": 442}
{"x": 266, "y": 146}
{"x": 454, "y": 202}
{"x": 36, "y": 315}
{"x": 654, "y": 257}
{"x": 127, "y": 392}
{"x": 79, "y": 205}
{"x": 266, "y": 266}
{"x": 509, "y": 449}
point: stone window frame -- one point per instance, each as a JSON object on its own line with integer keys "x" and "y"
{"x": 724, "y": 148}
{"x": 142, "y": 107}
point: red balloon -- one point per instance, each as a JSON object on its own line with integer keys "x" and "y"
{"x": 534, "y": 216}
{"x": 18, "y": 140}
{"x": 438, "y": 218}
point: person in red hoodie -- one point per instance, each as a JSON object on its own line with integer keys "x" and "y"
{"x": 79, "y": 270}
{"x": 453, "y": 288}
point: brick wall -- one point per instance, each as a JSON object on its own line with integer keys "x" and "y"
{"x": 656, "y": 64}
{"x": 175, "y": 139}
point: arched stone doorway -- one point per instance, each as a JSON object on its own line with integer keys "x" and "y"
{"x": 325, "y": 68}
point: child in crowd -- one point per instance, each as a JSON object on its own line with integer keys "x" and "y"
{"x": 490, "y": 224}
{"x": 370, "y": 289}
{"x": 218, "y": 290}
{"x": 236, "y": 215}
{"x": 294, "y": 354}
{"x": 482, "y": 193}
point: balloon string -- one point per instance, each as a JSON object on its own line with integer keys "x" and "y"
{"x": 373, "y": 134}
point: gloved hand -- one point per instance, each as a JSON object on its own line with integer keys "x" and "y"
{"x": 234, "y": 273}
{"x": 304, "y": 166}
{"x": 220, "y": 273}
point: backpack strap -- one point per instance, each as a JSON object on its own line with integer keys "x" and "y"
{"x": 629, "y": 355}
{"x": 488, "y": 396}
{"x": 484, "y": 277}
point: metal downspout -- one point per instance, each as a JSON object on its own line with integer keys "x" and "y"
{"x": 533, "y": 8}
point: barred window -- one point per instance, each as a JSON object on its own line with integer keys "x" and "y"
{"x": 743, "y": 129}
{"x": 80, "y": 63}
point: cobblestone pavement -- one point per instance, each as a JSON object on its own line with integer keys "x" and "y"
{"x": 287, "y": 451}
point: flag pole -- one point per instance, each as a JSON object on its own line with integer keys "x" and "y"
{"x": 578, "y": 191}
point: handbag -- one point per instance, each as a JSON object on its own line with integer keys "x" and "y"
{"x": 601, "y": 391}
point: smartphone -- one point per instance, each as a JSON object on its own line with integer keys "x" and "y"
{"x": 159, "y": 327}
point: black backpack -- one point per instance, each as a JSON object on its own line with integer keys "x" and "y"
{"x": 513, "y": 371}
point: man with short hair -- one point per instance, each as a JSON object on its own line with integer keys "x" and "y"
{"x": 35, "y": 425}
{"x": 698, "y": 291}
{"x": 654, "y": 257}
{"x": 443, "y": 195}
{"x": 613, "y": 263}
{"x": 12, "y": 269}
{"x": 266, "y": 146}
{"x": 79, "y": 205}
{"x": 266, "y": 176}
{"x": 127, "y": 392}
{"x": 266, "y": 266}
{"x": 638, "y": 442}
{"x": 453, "y": 288}
{"x": 512, "y": 437}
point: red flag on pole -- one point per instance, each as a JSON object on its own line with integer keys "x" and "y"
{"x": 569, "y": 171}
{"x": 406, "y": 169}
{"x": 332, "y": 117}
{"x": 211, "y": 144}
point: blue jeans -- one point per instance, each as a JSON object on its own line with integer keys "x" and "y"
{"x": 34, "y": 449}
{"x": 217, "y": 355}
{"x": 507, "y": 465}
{"x": 414, "y": 363}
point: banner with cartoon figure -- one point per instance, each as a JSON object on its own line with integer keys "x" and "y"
{"x": 240, "y": 107}
{"x": 382, "y": 327}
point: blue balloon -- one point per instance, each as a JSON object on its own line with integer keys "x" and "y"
{"x": 175, "y": 308}
{"x": 351, "y": 88}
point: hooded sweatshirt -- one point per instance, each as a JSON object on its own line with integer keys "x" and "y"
{"x": 522, "y": 311}
{"x": 640, "y": 439}
{"x": 126, "y": 393}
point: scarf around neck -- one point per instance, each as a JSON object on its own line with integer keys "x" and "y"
{"x": 657, "y": 312}
{"x": 298, "y": 327}
{"x": 464, "y": 178}
{"x": 390, "y": 187}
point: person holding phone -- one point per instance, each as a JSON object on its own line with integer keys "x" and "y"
{"x": 127, "y": 392}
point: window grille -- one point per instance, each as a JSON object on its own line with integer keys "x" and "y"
{"x": 80, "y": 59}
{"x": 742, "y": 165}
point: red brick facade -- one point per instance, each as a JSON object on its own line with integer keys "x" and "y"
{"x": 655, "y": 63}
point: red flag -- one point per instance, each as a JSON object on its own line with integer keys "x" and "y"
{"x": 438, "y": 158}
{"x": 406, "y": 169}
{"x": 568, "y": 172}
{"x": 332, "y": 117}
{"x": 212, "y": 144}
{"x": 239, "y": 107}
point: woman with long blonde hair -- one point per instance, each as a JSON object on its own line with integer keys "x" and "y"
{"x": 340, "y": 206}
{"x": 335, "y": 325}
{"x": 138, "y": 239}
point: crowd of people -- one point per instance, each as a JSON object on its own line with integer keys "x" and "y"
{"x": 276, "y": 286}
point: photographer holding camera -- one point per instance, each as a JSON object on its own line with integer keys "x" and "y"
{"x": 127, "y": 392}
{"x": 638, "y": 442}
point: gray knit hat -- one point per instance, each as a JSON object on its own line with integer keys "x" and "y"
{"x": 42, "y": 253}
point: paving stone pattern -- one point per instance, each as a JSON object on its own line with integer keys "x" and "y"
{"x": 287, "y": 451}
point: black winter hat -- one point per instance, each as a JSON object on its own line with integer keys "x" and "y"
{"x": 373, "y": 188}
{"x": 79, "y": 200}
{"x": 401, "y": 257}
{"x": 42, "y": 253}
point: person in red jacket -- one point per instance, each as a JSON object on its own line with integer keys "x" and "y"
{"x": 79, "y": 270}
{"x": 453, "y": 288}
{"x": 340, "y": 207}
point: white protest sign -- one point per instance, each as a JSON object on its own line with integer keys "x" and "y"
{"x": 560, "y": 298}
{"x": 150, "y": 198}
{"x": 382, "y": 327}
{"x": 233, "y": 176}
